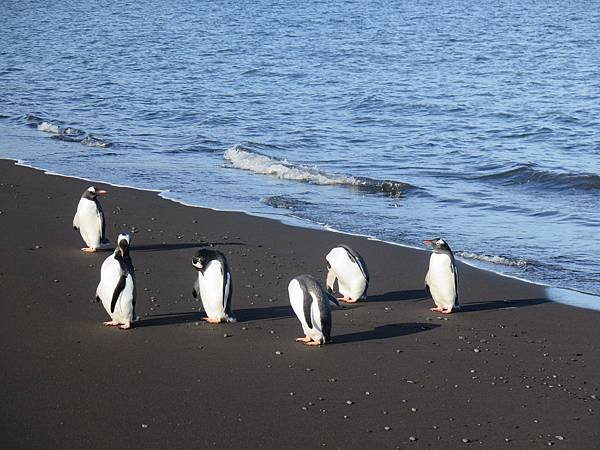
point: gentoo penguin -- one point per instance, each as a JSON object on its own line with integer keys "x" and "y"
{"x": 89, "y": 219}
{"x": 213, "y": 285}
{"x": 116, "y": 290}
{"x": 311, "y": 305}
{"x": 441, "y": 280}
{"x": 350, "y": 270}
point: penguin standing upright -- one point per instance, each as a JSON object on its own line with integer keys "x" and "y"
{"x": 441, "y": 280}
{"x": 311, "y": 305}
{"x": 213, "y": 285}
{"x": 89, "y": 219}
{"x": 116, "y": 289}
{"x": 350, "y": 270}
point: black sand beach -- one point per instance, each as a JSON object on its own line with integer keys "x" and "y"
{"x": 511, "y": 370}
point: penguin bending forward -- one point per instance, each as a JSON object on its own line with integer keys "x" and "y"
{"x": 441, "y": 280}
{"x": 89, "y": 219}
{"x": 311, "y": 305}
{"x": 116, "y": 290}
{"x": 350, "y": 270}
{"x": 213, "y": 285}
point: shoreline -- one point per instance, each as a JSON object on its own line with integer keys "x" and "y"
{"x": 512, "y": 369}
{"x": 305, "y": 223}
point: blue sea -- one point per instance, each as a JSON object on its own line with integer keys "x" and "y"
{"x": 478, "y": 122}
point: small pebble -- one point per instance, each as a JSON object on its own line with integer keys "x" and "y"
{"x": 465, "y": 440}
{"x": 349, "y": 402}
{"x": 292, "y": 394}
{"x": 387, "y": 428}
{"x": 225, "y": 335}
{"x": 144, "y": 425}
{"x": 412, "y": 438}
{"x": 278, "y": 352}
{"x": 560, "y": 438}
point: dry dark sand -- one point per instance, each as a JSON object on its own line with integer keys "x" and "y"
{"x": 509, "y": 371}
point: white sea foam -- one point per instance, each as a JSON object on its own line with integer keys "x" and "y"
{"x": 242, "y": 158}
{"x": 48, "y": 127}
{"x": 494, "y": 259}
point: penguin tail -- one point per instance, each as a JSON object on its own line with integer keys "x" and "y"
{"x": 97, "y": 299}
{"x": 231, "y": 319}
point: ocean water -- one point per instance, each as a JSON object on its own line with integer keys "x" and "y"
{"x": 479, "y": 123}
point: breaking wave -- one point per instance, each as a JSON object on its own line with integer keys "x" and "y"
{"x": 245, "y": 159}
{"x": 528, "y": 175}
{"x": 66, "y": 133}
{"x": 494, "y": 259}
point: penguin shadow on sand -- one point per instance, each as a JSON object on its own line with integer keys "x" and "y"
{"x": 500, "y": 304}
{"x": 179, "y": 246}
{"x": 384, "y": 332}
{"x": 397, "y": 296}
{"x": 241, "y": 315}
{"x": 258, "y": 314}
{"x": 157, "y": 320}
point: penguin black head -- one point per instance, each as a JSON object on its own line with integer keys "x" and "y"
{"x": 92, "y": 193}
{"x": 438, "y": 245}
{"x": 204, "y": 256}
{"x": 123, "y": 245}
{"x": 201, "y": 259}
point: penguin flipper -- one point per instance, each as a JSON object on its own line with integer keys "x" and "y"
{"x": 227, "y": 299}
{"x": 118, "y": 289}
{"x": 455, "y": 273}
{"x": 306, "y": 306}
{"x": 196, "y": 288}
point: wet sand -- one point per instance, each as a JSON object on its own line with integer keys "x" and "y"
{"x": 511, "y": 370}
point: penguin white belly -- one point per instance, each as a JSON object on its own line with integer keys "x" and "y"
{"x": 110, "y": 273}
{"x": 351, "y": 281}
{"x": 88, "y": 219}
{"x": 211, "y": 291}
{"x": 440, "y": 279}
{"x": 297, "y": 302}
